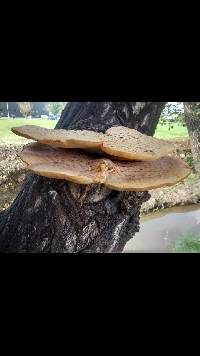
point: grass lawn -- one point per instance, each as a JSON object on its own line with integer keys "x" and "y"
{"x": 6, "y": 124}
{"x": 177, "y": 131}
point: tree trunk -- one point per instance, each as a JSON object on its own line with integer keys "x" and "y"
{"x": 52, "y": 215}
{"x": 192, "y": 119}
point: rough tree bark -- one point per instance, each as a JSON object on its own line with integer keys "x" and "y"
{"x": 52, "y": 215}
{"x": 192, "y": 119}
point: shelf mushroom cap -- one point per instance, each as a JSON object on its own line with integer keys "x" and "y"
{"x": 143, "y": 176}
{"x": 133, "y": 145}
{"x": 59, "y": 163}
{"x": 120, "y": 142}
{"x": 77, "y": 167}
{"x": 60, "y": 137}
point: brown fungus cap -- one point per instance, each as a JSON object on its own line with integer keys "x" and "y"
{"x": 133, "y": 145}
{"x": 142, "y": 176}
{"x": 77, "y": 167}
{"x": 60, "y": 163}
{"x": 60, "y": 137}
{"x": 119, "y": 142}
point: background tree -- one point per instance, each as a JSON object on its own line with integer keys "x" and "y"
{"x": 40, "y": 108}
{"x": 192, "y": 119}
{"x": 13, "y": 109}
{"x": 25, "y": 108}
{"x": 51, "y": 215}
{"x": 56, "y": 107}
{"x": 173, "y": 112}
{"x": 188, "y": 114}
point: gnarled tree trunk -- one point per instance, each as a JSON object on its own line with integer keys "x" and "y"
{"x": 192, "y": 119}
{"x": 52, "y": 215}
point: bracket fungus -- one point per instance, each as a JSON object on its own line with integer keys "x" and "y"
{"x": 131, "y": 162}
{"x": 76, "y": 166}
{"x": 120, "y": 142}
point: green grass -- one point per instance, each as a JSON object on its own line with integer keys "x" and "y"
{"x": 178, "y": 131}
{"x": 192, "y": 178}
{"x": 6, "y": 124}
{"x": 189, "y": 244}
{"x": 161, "y": 131}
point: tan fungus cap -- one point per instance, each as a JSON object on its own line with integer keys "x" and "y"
{"x": 120, "y": 142}
{"x": 133, "y": 145}
{"x": 77, "y": 167}
{"x": 60, "y": 137}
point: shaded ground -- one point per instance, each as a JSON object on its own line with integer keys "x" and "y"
{"x": 12, "y": 171}
{"x": 182, "y": 194}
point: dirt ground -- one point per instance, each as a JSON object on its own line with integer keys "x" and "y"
{"x": 186, "y": 193}
{"x": 13, "y": 172}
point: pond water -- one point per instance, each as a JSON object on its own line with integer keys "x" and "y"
{"x": 160, "y": 230}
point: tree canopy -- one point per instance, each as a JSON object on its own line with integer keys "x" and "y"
{"x": 56, "y": 107}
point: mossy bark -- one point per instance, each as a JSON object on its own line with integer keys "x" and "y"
{"x": 192, "y": 119}
{"x": 55, "y": 216}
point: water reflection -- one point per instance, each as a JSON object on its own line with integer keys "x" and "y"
{"x": 160, "y": 230}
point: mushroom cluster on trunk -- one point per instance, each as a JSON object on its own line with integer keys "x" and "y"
{"x": 122, "y": 159}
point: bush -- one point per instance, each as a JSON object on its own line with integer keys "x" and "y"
{"x": 189, "y": 244}
{"x": 189, "y": 159}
